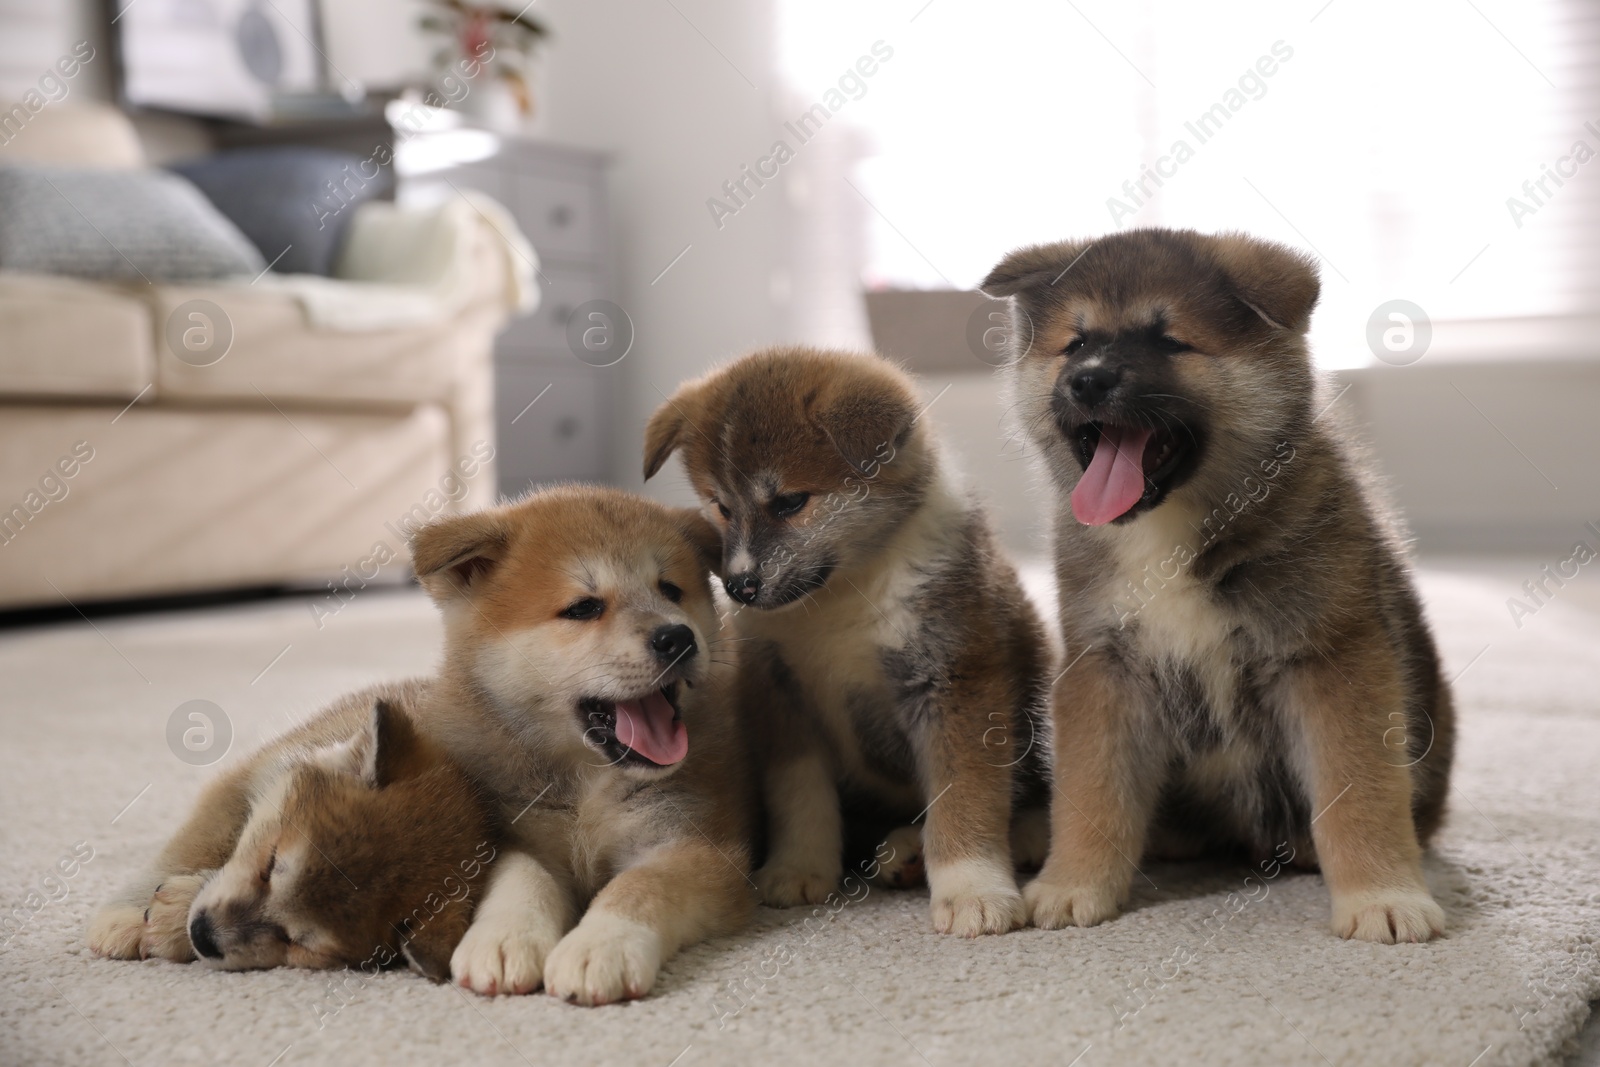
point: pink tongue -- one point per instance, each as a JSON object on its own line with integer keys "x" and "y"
{"x": 1114, "y": 481}
{"x": 648, "y": 727}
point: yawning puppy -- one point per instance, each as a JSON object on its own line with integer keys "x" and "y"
{"x": 888, "y": 650}
{"x": 585, "y": 687}
{"x": 351, "y": 842}
{"x": 1251, "y": 667}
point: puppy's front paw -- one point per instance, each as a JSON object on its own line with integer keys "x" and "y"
{"x": 166, "y": 923}
{"x": 784, "y": 886}
{"x": 900, "y": 859}
{"x": 974, "y": 897}
{"x": 1387, "y": 916}
{"x": 498, "y": 958}
{"x": 115, "y": 931}
{"x": 1052, "y": 906}
{"x": 603, "y": 960}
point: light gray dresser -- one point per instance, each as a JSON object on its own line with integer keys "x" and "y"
{"x": 553, "y": 409}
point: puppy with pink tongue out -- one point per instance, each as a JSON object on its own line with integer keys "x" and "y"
{"x": 1251, "y": 669}
{"x": 587, "y": 688}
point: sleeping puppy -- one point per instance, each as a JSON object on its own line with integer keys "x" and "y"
{"x": 353, "y": 841}
{"x": 888, "y": 651}
{"x": 585, "y": 687}
{"x": 1251, "y": 667}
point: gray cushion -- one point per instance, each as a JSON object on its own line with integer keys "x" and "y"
{"x": 136, "y": 225}
{"x": 294, "y": 202}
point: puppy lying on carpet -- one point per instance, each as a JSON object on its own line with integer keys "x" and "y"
{"x": 1251, "y": 667}
{"x": 890, "y": 653}
{"x": 579, "y": 663}
{"x": 585, "y": 687}
{"x": 353, "y": 841}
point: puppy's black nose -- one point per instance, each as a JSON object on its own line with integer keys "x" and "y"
{"x": 672, "y": 642}
{"x": 1090, "y": 385}
{"x": 203, "y": 938}
{"x": 743, "y": 587}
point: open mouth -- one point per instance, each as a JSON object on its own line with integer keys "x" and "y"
{"x": 1127, "y": 467}
{"x": 646, "y": 731}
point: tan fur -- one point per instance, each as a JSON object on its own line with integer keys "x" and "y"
{"x": 610, "y": 867}
{"x": 1255, "y": 671}
{"x": 890, "y": 652}
{"x": 605, "y": 865}
{"x": 351, "y": 841}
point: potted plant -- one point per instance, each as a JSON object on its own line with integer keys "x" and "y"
{"x": 486, "y": 60}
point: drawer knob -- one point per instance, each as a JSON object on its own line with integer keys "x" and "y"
{"x": 560, "y": 215}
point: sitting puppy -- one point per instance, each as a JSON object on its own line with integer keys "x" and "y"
{"x": 351, "y": 842}
{"x": 584, "y": 688}
{"x": 891, "y": 653}
{"x": 1252, "y": 668}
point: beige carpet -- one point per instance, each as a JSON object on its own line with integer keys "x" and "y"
{"x": 84, "y": 758}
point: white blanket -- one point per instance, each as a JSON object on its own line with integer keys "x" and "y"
{"x": 411, "y": 266}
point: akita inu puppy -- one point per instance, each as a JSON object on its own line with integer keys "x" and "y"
{"x": 353, "y": 841}
{"x": 1251, "y": 667}
{"x": 888, "y": 651}
{"x": 586, "y": 695}
{"x": 586, "y": 688}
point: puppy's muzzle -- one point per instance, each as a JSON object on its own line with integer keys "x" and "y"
{"x": 204, "y": 937}
{"x": 673, "y": 643}
{"x": 744, "y": 587}
{"x": 1092, "y": 385}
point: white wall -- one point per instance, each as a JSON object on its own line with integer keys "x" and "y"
{"x": 639, "y": 80}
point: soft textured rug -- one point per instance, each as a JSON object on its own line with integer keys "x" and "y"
{"x": 1198, "y": 971}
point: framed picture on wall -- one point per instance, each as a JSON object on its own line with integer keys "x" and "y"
{"x": 249, "y": 59}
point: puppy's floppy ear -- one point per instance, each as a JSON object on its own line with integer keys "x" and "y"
{"x": 386, "y": 749}
{"x": 867, "y": 417}
{"x": 454, "y": 554}
{"x": 669, "y": 427}
{"x": 1276, "y": 282}
{"x": 1033, "y": 267}
{"x": 705, "y": 538}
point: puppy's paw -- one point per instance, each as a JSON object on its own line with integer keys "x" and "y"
{"x": 603, "y": 960}
{"x": 498, "y": 958}
{"x": 784, "y": 886}
{"x": 166, "y": 922}
{"x": 115, "y": 931}
{"x": 1387, "y": 916}
{"x": 1052, "y": 906}
{"x": 973, "y": 897}
{"x": 900, "y": 859}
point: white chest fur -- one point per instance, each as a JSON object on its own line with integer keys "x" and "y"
{"x": 1174, "y": 620}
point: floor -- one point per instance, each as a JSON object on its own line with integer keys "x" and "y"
{"x": 86, "y": 767}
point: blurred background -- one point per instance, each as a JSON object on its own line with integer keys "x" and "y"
{"x": 280, "y": 279}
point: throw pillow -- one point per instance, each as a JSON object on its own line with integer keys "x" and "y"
{"x": 132, "y": 225}
{"x": 293, "y": 202}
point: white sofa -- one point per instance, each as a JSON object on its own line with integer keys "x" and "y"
{"x": 343, "y": 412}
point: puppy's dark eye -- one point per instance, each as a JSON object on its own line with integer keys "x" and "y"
{"x": 1073, "y": 346}
{"x": 724, "y": 509}
{"x": 587, "y": 608}
{"x": 671, "y": 592}
{"x": 788, "y": 504}
{"x": 1172, "y": 344}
